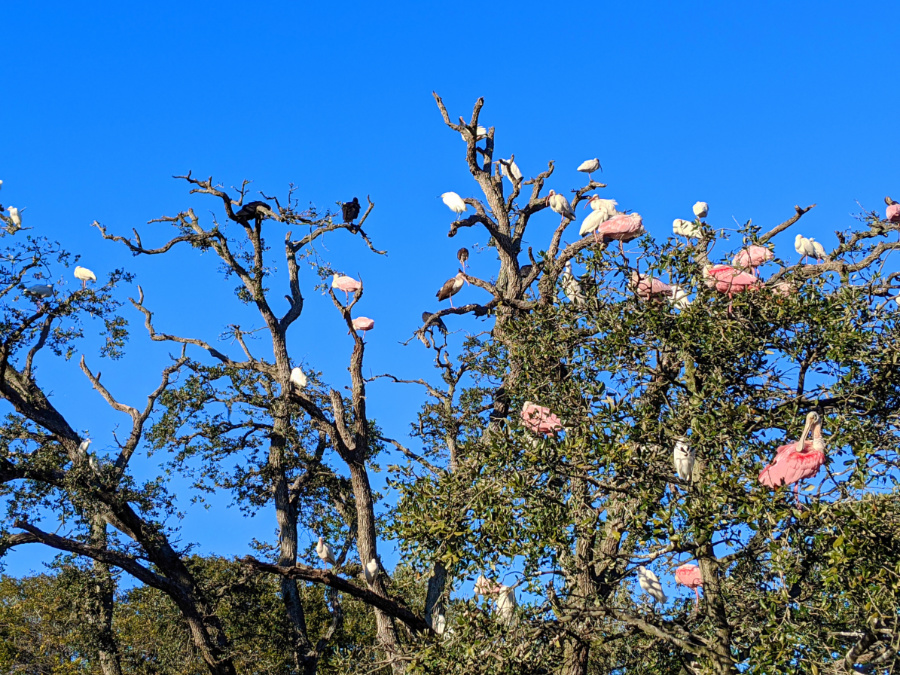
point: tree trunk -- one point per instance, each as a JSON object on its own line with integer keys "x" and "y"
{"x": 102, "y": 601}
{"x": 434, "y": 599}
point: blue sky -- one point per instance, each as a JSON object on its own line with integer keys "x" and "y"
{"x": 752, "y": 107}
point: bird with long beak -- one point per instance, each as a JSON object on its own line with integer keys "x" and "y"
{"x": 451, "y": 287}
{"x": 590, "y": 166}
{"x": 462, "y": 255}
{"x": 799, "y": 460}
{"x": 559, "y": 204}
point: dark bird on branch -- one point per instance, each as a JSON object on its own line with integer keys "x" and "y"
{"x": 437, "y": 323}
{"x": 257, "y": 210}
{"x": 350, "y": 210}
{"x": 450, "y": 288}
{"x": 463, "y": 255}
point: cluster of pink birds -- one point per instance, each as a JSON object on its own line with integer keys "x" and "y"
{"x": 350, "y": 285}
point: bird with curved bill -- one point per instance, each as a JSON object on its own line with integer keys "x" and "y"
{"x": 797, "y": 461}
{"x": 451, "y": 287}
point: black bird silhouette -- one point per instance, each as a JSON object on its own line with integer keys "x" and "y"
{"x": 350, "y": 210}
{"x": 257, "y": 210}
{"x": 437, "y": 323}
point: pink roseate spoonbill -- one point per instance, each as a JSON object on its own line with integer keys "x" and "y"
{"x": 298, "y": 378}
{"x": 571, "y": 287}
{"x": 701, "y": 209}
{"x": 799, "y": 460}
{"x": 83, "y": 274}
{"x": 752, "y": 257}
{"x": 539, "y": 419}
{"x": 462, "y": 255}
{"x": 590, "y": 166}
{"x": 364, "y": 324}
{"x": 559, "y": 204}
{"x": 344, "y": 283}
{"x": 649, "y": 583}
{"x": 689, "y": 575}
{"x": 621, "y": 228}
{"x": 891, "y": 214}
{"x": 683, "y": 456}
{"x": 323, "y": 550}
{"x": 454, "y": 202}
{"x": 686, "y": 228}
{"x": 726, "y": 279}
{"x": 510, "y": 169}
{"x": 648, "y": 288}
{"x": 450, "y": 288}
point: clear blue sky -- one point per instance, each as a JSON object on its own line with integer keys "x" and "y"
{"x": 752, "y": 107}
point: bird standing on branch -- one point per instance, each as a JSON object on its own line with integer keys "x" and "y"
{"x": 683, "y": 457}
{"x": 298, "y": 378}
{"x": 350, "y": 210}
{"x": 83, "y": 274}
{"x": 689, "y": 575}
{"x": 701, "y": 209}
{"x": 560, "y": 205}
{"x": 323, "y": 550}
{"x": 344, "y": 283}
{"x": 253, "y": 210}
{"x": 436, "y": 323}
{"x": 451, "y": 287}
{"x": 364, "y": 324}
{"x": 589, "y": 167}
{"x": 454, "y": 202}
{"x": 892, "y": 213}
{"x": 752, "y": 257}
{"x": 571, "y": 286}
{"x": 649, "y": 583}
{"x": 799, "y": 460}
{"x": 510, "y": 169}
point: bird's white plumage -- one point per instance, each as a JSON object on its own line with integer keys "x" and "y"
{"x": 818, "y": 249}
{"x": 323, "y": 550}
{"x": 649, "y": 583}
{"x": 83, "y": 274}
{"x": 701, "y": 209}
{"x": 804, "y": 246}
{"x": 592, "y": 222}
{"x": 370, "y": 570}
{"x": 560, "y": 205}
{"x": 510, "y": 170}
{"x": 605, "y": 206}
{"x": 571, "y": 287}
{"x": 298, "y": 378}
{"x": 15, "y": 216}
{"x": 506, "y": 604}
{"x": 589, "y": 166}
{"x": 686, "y": 228}
{"x": 683, "y": 456}
{"x": 480, "y": 133}
{"x": 454, "y": 202}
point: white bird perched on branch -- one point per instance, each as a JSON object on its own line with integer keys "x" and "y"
{"x": 701, "y": 209}
{"x": 370, "y": 571}
{"x": 605, "y": 206}
{"x": 590, "y": 166}
{"x": 686, "y": 228}
{"x": 597, "y": 217}
{"x": 510, "y": 169}
{"x": 649, "y": 583}
{"x": 15, "y": 217}
{"x": 683, "y": 456}
{"x": 298, "y": 378}
{"x": 571, "y": 287}
{"x": 679, "y": 297}
{"x": 809, "y": 248}
{"x": 506, "y": 604}
{"x": 83, "y": 274}
{"x": 480, "y": 133}
{"x": 323, "y": 550}
{"x": 454, "y": 202}
{"x": 560, "y": 205}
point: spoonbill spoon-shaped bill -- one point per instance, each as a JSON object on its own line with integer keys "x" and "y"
{"x": 323, "y": 550}
{"x": 892, "y": 213}
{"x": 686, "y": 228}
{"x": 436, "y": 323}
{"x": 370, "y": 571}
{"x": 14, "y": 216}
{"x": 539, "y": 419}
{"x": 463, "y": 255}
{"x": 571, "y": 286}
{"x": 39, "y": 291}
{"x": 510, "y": 170}
{"x": 350, "y": 210}
{"x": 253, "y": 210}
{"x": 344, "y": 283}
{"x": 728, "y": 280}
{"x": 298, "y": 378}
{"x": 797, "y": 461}
{"x": 678, "y": 297}
{"x": 683, "y": 457}
{"x": 752, "y": 257}
{"x": 363, "y": 323}
{"x": 701, "y": 209}
{"x": 689, "y": 575}
{"x": 83, "y": 274}
{"x": 450, "y": 288}
{"x": 590, "y": 166}
{"x": 454, "y": 202}
{"x": 622, "y": 228}
{"x": 559, "y": 204}
{"x": 649, "y": 583}
{"x": 647, "y": 288}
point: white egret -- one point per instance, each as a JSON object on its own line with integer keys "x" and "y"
{"x": 589, "y": 167}
{"x": 678, "y": 297}
{"x": 683, "y": 456}
{"x": 805, "y": 247}
{"x": 298, "y": 378}
{"x": 323, "y": 550}
{"x": 649, "y": 582}
{"x": 15, "y": 217}
{"x": 454, "y": 202}
{"x": 83, "y": 274}
{"x": 506, "y": 604}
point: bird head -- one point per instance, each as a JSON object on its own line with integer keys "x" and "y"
{"x": 589, "y": 200}
{"x": 812, "y": 419}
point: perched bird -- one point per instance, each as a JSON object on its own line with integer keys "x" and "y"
{"x": 454, "y": 202}
{"x": 621, "y": 228}
{"x": 571, "y": 287}
{"x": 649, "y": 582}
{"x": 687, "y": 228}
{"x": 480, "y": 133}
{"x": 784, "y": 288}
{"x": 524, "y": 271}
{"x": 689, "y": 575}
{"x": 83, "y": 447}
{"x": 484, "y": 586}
{"x": 350, "y": 210}
{"x": 344, "y": 283}
{"x": 39, "y": 291}
{"x": 678, "y": 297}
{"x": 560, "y": 205}
{"x": 298, "y": 378}
{"x": 370, "y": 571}
{"x": 751, "y": 257}
{"x": 892, "y": 213}
{"x": 799, "y": 460}
{"x": 818, "y": 250}
{"x": 648, "y": 288}
{"x": 436, "y": 323}
{"x": 15, "y": 217}
{"x": 606, "y": 206}
{"x": 462, "y": 255}
{"x": 728, "y": 280}
{"x": 253, "y": 210}
{"x": 809, "y": 248}
{"x": 364, "y": 324}
{"x": 450, "y": 288}
{"x": 701, "y": 209}
{"x": 510, "y": 169}
{"x": 539, "y": 419}
{"x": 590, "y": 224}
{"x": 590, "y": 166}
{"x": 506, "y": 604}
{"x": 323, "y": 550}
{"x": 83, "y": 274}
{"x": 683, "y": 456}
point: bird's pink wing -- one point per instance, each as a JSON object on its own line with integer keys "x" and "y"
{"x": 689, "y": 575}
{"x": 774, "y": 474}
